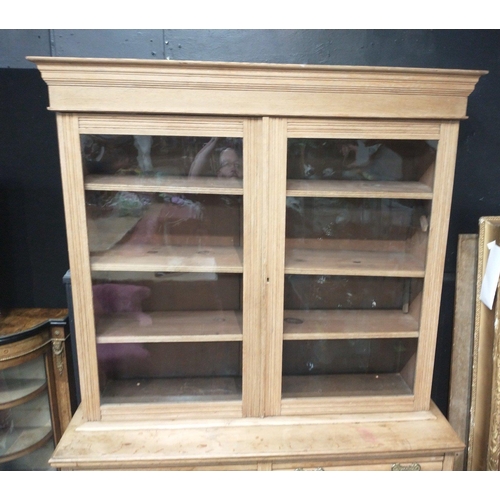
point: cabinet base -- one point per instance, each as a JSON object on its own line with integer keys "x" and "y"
{"x": 411, "y": 441}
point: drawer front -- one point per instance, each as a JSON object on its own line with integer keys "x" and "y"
{"x": 412, "y": 464}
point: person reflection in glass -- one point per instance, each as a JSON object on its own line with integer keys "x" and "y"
{"x": 229, "y": 165}
{"x": 371, "y": 160}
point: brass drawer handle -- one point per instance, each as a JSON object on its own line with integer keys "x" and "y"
{"x": 413, "y": 466}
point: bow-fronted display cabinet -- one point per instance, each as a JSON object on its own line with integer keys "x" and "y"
{"x": 35, "y": 386}
{"x": 257, "y": 256}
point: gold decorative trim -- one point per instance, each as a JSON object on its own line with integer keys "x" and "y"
{"x": 58, "y": 351}
{"x": 493, "y": 456}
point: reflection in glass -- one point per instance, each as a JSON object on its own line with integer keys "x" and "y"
{"x": 328, "y": 220}
{"x": 369, "y": 293}
{"x": 145, "y": 219}
{"x": 356, "y": 159}
{"x": 229, "y": 163}
{"x": 160, "y": 156}
{"x": 146, "y": 292}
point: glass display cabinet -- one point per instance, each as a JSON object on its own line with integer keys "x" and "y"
{"x": 256, "y": 256}
{"x": 35, "y": 406}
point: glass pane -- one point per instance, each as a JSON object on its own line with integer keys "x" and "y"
{"x": 357, "y": 221}
{"x": 165, "y": 229}
{"x": 306, "y": 292}
{"x": 174, "y": 328}
{"x": 342, "y": 223}
{"x": 25, "y": 425}
{"x": 162, "y": 156}
{"x": 350, "y": 367}
{"x": 25, "y": 421}
{"x": 352, "y": 356}
{"x": 22, "y": 380}
{"x": 168, "y": 373}
{"x": 37, "y": 460}
{"x": 134, "y": 223}
{"x": 358, "y": 159}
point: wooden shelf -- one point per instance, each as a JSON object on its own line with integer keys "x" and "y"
{"x": 225, "y": 326}
{"x": 172, "y": 326}
{"x": 345, "y": 385}
{"x": 359, "y": 189}
{"x": 352, "y": 263}
{"x": 24, "y": 440}
{"x": 228, "y": 259}
{"x": 30, "y": 428}
{"x": 172, "y": 390}
{"x": 166, "y": 184}
{"x": 18, "y": 391}
{"x": 348, "y": 324}
{"x": 169, "y": 259}
{"x": 297, "y": 188}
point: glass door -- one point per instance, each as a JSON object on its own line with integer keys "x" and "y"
{"x": 357, "y": 225}
{"x": 26, "y": 437}
{"x": 164, "y": 219}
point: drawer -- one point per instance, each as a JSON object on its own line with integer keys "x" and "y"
{"x": 407, "y": 464}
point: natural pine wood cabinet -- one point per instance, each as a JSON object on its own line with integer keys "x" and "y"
{"x": 256, "y": 257}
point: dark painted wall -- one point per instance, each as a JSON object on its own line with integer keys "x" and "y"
{"x": 32, "y": 236}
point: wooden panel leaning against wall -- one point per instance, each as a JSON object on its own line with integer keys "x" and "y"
{"x": 462, "y": 347}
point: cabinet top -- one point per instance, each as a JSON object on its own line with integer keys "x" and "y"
{"x": 255, "y": 89}
{"x": 21, "y": 323}
{"x": 124, "y": 62}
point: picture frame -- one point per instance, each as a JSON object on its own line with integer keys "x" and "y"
{"x": 483, "y": 449}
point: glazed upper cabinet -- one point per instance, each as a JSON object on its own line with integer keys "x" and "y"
{"x": 253, "y": 240}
